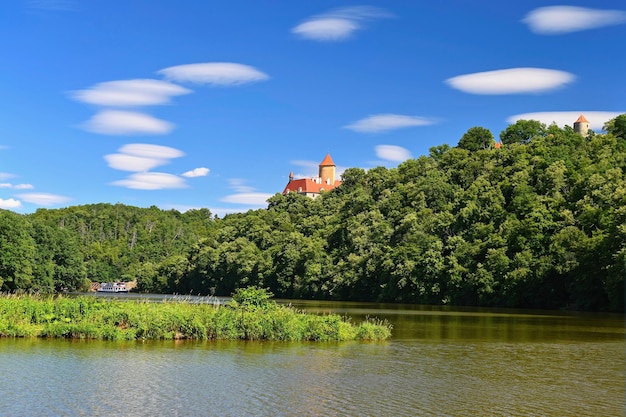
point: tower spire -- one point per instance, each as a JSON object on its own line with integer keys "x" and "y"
{"x": 327, "y": 170}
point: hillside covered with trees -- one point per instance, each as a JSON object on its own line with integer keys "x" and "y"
{"x": 539, "y": 222}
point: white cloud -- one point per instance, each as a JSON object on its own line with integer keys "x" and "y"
{"x": 16, "y": 186}
{"x": 597, "y": 119}
{"x": 151, "y": 151}
{"x": 151, "y": 181}
{"x": 214, "y": 73}
{"x": 118, "y": 122}
{"x": 307, "y": 164}
{"x": 124, "y": 162}
{"x": 238, "y": 185}
{"x": 139, "y": 157}
{"x": 139, "y": 92}
{"x": 6, "y": 176}
{"x": 393, "y": 153}
{"x": 44, "y": 199}
{"x": 511, "y": 81}
{"x": 555, "y": 20}
{"x": 197, "y": 172}
{"x": 10, "y": 204}
{"x": 326, "y": 29}
{"x": 385, "y": 122}
{"x": 251, "y": 199}
{"x": 338, "y": 24}
{"x": 245, "y": 195}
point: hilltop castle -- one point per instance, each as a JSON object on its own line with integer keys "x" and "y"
{"x": 312, "y": 187}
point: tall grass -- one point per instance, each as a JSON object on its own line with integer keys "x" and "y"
{"x": 109, "y": 319}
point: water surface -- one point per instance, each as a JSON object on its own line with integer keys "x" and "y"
{"x": 440, "y": 362}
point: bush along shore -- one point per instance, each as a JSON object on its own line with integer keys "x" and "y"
{"x": 251, "y": 315}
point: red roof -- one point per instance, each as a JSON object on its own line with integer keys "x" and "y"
{"x": 308, "y": 185}
{"x": 327, "y": 162}
{"x": 582, "y": 119}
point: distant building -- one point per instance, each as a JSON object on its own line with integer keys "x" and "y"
{"x": 312, "y": 187}
{"x": 581, "y": 126}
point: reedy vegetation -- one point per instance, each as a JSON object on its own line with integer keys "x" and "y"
{"x": 540, "y": 223}
{"x": 108, "y": 319}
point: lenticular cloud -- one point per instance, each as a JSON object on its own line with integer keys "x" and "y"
{"x": 141, "y": 157}
{"x": 119, "y": 122}
{"x": 511, "y": 81}
{"x": 556, "y": 20}
{"x": 44, "y": 199}
{"x": 214, "y": 73}
{"x": 151, "y": 151}
{"x": 392, "y": 153}
{"x": 385, "y": 122}
{"x": 151, "y": 181}
{"x": 327, "y": 29}
{"x": 338, "y": 24}
{"x": 139, "y": 92}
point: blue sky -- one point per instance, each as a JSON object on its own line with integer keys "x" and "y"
{"x": 210, "y": 104}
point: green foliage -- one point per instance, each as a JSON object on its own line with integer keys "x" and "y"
{"x": 477, "y": 138}
{"x": 252, "y": 297}
{"x": 17, "y": 252}
{"x": 617, "y": 126}
{"x": 104, "y": 242}
{"x": 93, "y": 318}
{"x": 522, "y": 131}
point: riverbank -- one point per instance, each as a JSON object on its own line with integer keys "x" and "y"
{"x": 110, "y": 319}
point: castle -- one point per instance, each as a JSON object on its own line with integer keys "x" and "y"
{"x": 312, "y": 187}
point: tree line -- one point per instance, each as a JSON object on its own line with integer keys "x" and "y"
{"x": 538, "y": 222}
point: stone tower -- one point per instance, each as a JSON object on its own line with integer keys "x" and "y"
{"x": 327, "y": 171}
{"x": 581, "y": 126}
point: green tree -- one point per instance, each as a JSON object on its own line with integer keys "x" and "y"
{"x": 477, "y": 138}
{"x": 253, "y": 297}
{"x": 17, "y": 252}
{"x": 522, "y": 131}
{"x": 616, "y": 126}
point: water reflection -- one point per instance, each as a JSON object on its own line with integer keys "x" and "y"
{"x": 413, "y": 322}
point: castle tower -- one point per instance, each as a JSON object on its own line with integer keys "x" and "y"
{"x": 581, "y": 126}
{"x": 327, "y": 171}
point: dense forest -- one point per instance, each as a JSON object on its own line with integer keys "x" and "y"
{"x": 538, "y": 221}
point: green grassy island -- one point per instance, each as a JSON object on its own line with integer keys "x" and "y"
{"x": 251, "y": 315}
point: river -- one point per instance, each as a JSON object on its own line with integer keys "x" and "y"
{"x": 440, "y": 362}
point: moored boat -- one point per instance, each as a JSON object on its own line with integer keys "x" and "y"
{"x": 113, "y": 287}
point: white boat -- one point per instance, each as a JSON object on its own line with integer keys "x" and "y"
{"x": 113, "y": 287}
